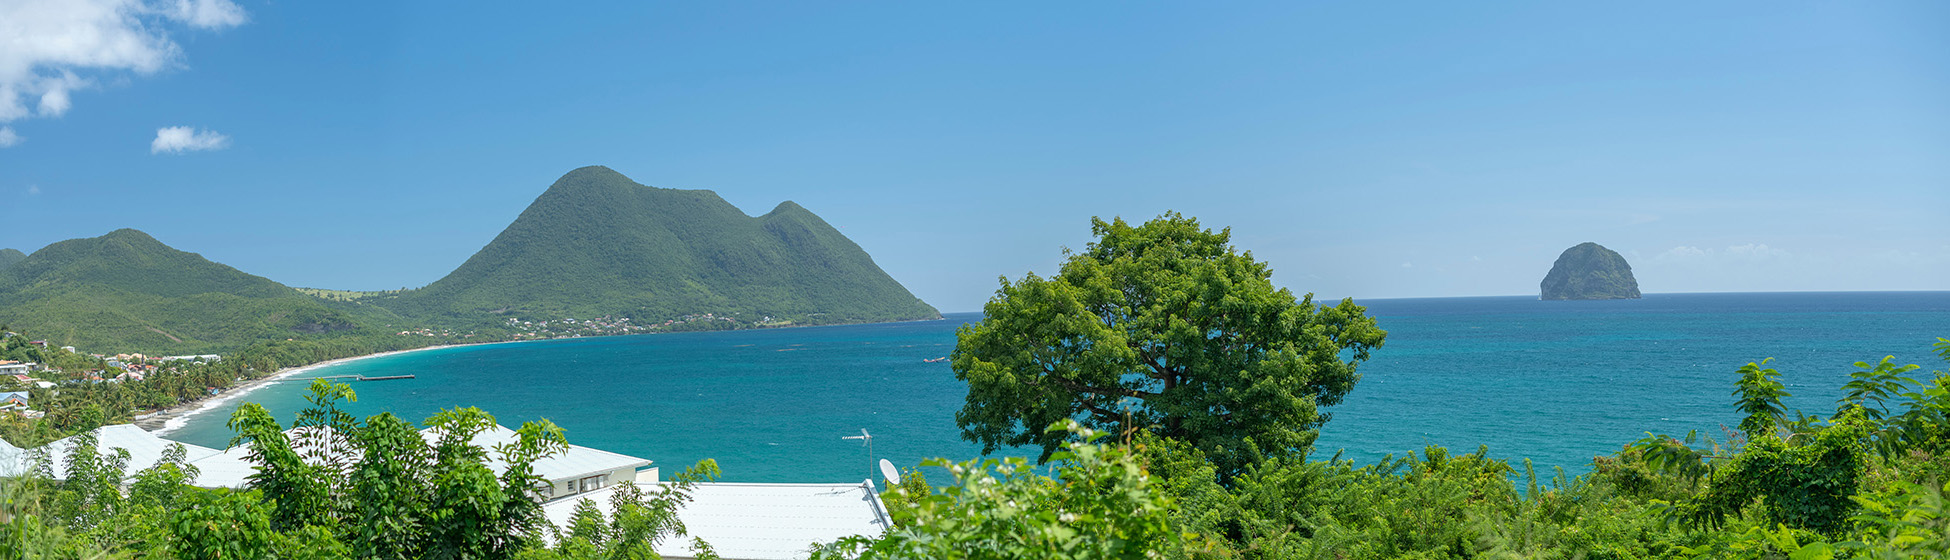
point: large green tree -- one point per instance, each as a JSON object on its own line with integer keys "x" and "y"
{"x": 1167, "y": 327}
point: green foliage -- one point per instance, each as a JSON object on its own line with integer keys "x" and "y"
{"x": 1807, "y": 486}
{"x": 8, "y": 257}
{"x": 1163, "y": 326}
{"x": 223, "y": 526}
{"x": 125, "y": 291}
{"x": 390, "y": 504}
{"x": 1909, "y": 521}
{"x": 1760, "y": 392}
{"x": 597, "y": 243}
{"x": 1099, "y": 504}
{"x": 393, "y": 496}
{"x": 1871, "y": 387}
{"x": 901, "y": 499}
{"x": 638, "y": 521}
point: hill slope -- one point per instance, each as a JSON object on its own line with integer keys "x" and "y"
{"x": 596, "y": 243}
{"x": 10, "y": 256}
{"x": 1590, "y": 271}
{"x": 125, "y": 291}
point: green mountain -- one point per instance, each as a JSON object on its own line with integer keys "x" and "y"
{"x": 1590, "y": 271}
{"x": 596, "y": 243}
{"x": 125, "y": 292}
{"x": 10, "y": 256}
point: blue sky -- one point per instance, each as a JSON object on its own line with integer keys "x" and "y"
{"x": 1363, "y": 149}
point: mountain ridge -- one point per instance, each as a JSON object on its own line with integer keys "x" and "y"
{"x": 125, "y": 290}
{"x": 656, "y": 254}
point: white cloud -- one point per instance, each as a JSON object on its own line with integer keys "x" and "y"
{"x": 50, "y": 45}
{"x": 1755, "y": 251}
{"x": 7, "y": 137}
{"x": 33, "y": 190}
{"x": 207, "y": 14}
{"x": 1683, "y": 252}
{"x": 179, "y": 139}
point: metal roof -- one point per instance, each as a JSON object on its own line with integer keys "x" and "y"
{"x": 745, "y": 521}
{"x": 229, "y": 469}
{"x": 577, "y": 461}
{"x": 13, "y": 460}
{"x": 144, "y": 449}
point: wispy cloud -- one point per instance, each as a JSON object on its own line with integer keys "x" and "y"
{"x": 180, "y": 139}
{"x": 8, "y": 138}
{"x": 52, "y": 46}
{"x": 1748, "y": 252}
{"x": 33, "y": 190}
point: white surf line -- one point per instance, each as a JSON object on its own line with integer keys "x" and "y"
{"x": 178, "y": 421}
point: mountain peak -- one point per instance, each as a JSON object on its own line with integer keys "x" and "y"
{"x": 10, "y": 256}
{"x": 597, "y": 243}
{"x": 788, "y": 207}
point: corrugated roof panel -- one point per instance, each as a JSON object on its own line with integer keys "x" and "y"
{"x": 760, "y": 521}
{"x": 144, "y": 448}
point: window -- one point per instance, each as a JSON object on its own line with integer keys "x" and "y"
{"x": 592, "y": 483}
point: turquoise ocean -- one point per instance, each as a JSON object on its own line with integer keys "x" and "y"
{"x": 1557, "y": 382}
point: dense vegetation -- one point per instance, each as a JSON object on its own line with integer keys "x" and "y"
{"x": 1163, "y": 325}
{"x": 1589, "y": 271}
{"x": 10, "y": 256}
{"x": 126, "y": 292}
{"x": 1864, "y": 482}
{"x": 88, "y": 394}
{"x": 597, "y": 243}
{"x": 342, "y": 488}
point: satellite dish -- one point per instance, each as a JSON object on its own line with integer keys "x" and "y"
{"x": 888, "y": 471}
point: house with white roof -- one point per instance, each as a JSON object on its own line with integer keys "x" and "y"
{"x": 744, "y": 521}
{"x": 144, "y": 449}
{"x": 574, "y": 471}
{"x": 13, "y": 460}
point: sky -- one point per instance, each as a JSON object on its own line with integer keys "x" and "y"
{"x": 1367, "y": 150}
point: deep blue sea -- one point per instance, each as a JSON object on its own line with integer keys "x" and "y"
{"x": 1557, "y": 382}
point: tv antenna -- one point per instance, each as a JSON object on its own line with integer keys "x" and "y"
{"x": 867, "y": 439}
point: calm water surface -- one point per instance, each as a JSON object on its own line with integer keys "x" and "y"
{"x": 1557, "y": 382}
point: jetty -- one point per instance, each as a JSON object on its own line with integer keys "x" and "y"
{"x": 358, "y": 377}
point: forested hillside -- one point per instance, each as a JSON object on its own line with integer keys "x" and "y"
{"x": 10, "y": 256}
{"x": 597, "y": 243}
{"x": 126, "y": 291}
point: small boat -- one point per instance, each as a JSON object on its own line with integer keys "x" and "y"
{"x": 933, "y": 360}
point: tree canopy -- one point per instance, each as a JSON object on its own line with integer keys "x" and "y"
{"x": 1165, "y": 327}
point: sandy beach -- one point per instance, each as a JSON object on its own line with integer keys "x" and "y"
{"x": 172, "y": 418}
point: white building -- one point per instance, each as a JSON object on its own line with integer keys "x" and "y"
{"x": 575, "y": 471}
{"x": 144, "y": 449}
{"x": 743, "y": 521}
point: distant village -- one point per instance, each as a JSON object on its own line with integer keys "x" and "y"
{"x": 607, "y": 326}
{"x": 18, "y": 378}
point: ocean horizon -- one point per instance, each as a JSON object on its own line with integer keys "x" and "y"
{"x": 1557, "y": 382}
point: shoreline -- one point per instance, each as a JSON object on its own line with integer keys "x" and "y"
{"x": 173, "y": 418}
